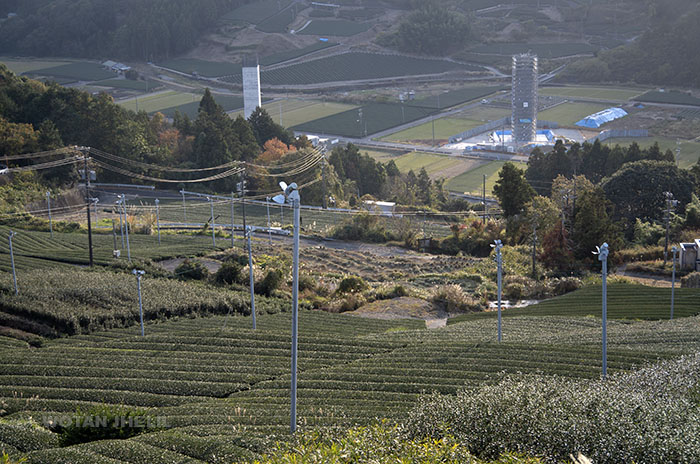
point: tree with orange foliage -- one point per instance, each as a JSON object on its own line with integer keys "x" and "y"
{"x": 273, "y": 150}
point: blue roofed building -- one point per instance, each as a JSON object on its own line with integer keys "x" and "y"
{"x": 596, "y": 120}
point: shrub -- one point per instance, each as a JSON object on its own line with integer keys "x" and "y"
{"x": 563, "y": 285}
{"x": 647, "y": 233}
{"x": 377, "y": 443}
{"x": 191, "y": 270}
{"x": 389, "y": 292}
{"x": 229, "y": 273}
{"x": 453, "y": 299}
{"x": 104, "y": 423}
{"x": 270, "y": 283}
{"x": 306, "y": 282}
{"x": 646, "y": 416}
{"x": 351, "y": 284}
{"x": 692, "y": 280}
{"x": 641, "y": 253}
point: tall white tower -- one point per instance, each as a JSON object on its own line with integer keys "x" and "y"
{"x": 251, "y": 86}
{"x": 524, "y": 91}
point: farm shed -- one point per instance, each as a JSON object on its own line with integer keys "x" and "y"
{"x": 385, "y": 208}
{"x": 690, "y": 261}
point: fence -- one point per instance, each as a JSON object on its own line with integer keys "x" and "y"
{"x": 498, "y": 124}
{"x": 619, "y": 133}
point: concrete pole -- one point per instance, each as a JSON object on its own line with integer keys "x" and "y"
{"x": 126, "y": 228}
{"x": 48, "y": 204}
{"x": 295, "y": 314}
{"x": 602, "y": 253}
{"x": 213, "y": 232}
{"x": 12, "y": 261}
{"x": 232, "y": 215}
{"x": 158, "y": 219}
{"x": 674, "y": 250}
{"x": 249, "y": 232}
{"x": 121, "y": 223}
{"x": 138, "y": 275}
{"x": 184, "y": 206}
{"x": 499, "y": 260}
{"x": 269, "y": 224}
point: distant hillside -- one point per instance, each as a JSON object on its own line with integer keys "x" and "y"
{"x": 126, "y": 29}
{"x": 666, "y": 54}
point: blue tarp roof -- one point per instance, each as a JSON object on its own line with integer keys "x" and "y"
{"x": 598, "y": 119}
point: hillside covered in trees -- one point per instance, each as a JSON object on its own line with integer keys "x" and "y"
{"x": 130, "y": 29}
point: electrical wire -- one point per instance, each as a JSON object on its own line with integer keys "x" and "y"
{"x": 47, "y": 165}
{"x": 156, "y": 167}
{"x": 41, "y": 154}
{"x": 125, "y": 172}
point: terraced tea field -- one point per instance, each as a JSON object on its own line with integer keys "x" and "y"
{"x": 472, "y": 181}
{"x": 599, "y": 93}
{"x": 337, "y": 28}
{"x": 223, "y": 389}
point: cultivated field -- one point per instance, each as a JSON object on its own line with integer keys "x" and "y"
{"x": 690, "y": 150}
{"x": 168, "y": 102}
{"x": 472, "y": 181}
{"x": 444, "y": 129}
{"x": 599, "y": 93}
{"x": 338, "y": 28}
{"x": 77, "y": 71}
{"x": 355, "y": 66}
{"x": 296, "y": 53}
{"x": 376, "y": 117}
{"x": 295, "y": 111}
{"x": 223, "y": 389}
{"x": 27, "y": 65}
{"x": 257, "y": 12}
{"x": 671, "y": 97}
{"x": 204, "y": 68}
{"x": 543, "y": 50}
{"x": 567, "y": 114}
{"x": 437, "y": 166}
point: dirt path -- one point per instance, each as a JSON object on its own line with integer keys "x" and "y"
{"x": 645, "y": 279}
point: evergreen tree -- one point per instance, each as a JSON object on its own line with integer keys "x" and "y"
{"x": 512, "y": 190}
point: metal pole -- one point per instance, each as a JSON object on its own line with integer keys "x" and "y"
{"x": 213, "y": 232}
{"x": 121, "y": 223}
{"x": 500, "y": 285}
{"x": 12, "y": 261}
{"x": 602, "y": 253}
{"x": 114, "y": 234}
{"x": 48, "y": 203}
{"x": 323, "y": 176}
{"x": 138, "y": 275}
{"x": 97, "y": 219}
{"x": 295, "y": 314}
{"x": 249, "y": 232}
{"x": 269, "y": 224}
{"x": 184, "y": 206}
{"x": 126, "y": 228}
{"x": 483, "y": 198}
{"x": 674, "y": 250}
{"x": 87, "y": 203}
{"x": 232, "y": 214}
{"x": 158, "y": 219}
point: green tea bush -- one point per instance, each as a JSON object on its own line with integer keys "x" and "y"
{"x": 191, "y": 270}
{"x": 26, "y": 435}
{"x": 271, "y": 282}
{"x": 454, "y": 299}
{"x": 229, "y": 273}
{"x": 379, "y": 443}
{"x": 104, "y": 423}
{"x": 649, "y": 416}
{"x": 351, "y": 284}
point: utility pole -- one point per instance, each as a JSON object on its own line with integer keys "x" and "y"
{"x": 114, "y": 236}
{"x": 121, "y": 222}
{"x": 184, "y": 206}
{"x": 241, "y": 190}
{"x": 534, "y": 249}
{"x": 323, "y": 176}
{"x": 483, "y": 198}
{"x": 126, "y": 228}
{"x": 674, "y": 250}
{"x": 138, "y": 275}
{"x": 269, "y": 224}
{"x": 12, "y": 262}
{"x": 249, "y": 232}
{"x": 232, "y": 216}
{"x": 213, "y": 231}
{"x": 48, "y": 205}
{"x": 498, "y": 245}
{"x": 602, "y": 253}
{"x": 158, "y": 219}
{"x": 87, "y": 202}
{"x": 295, "y": 310}
{"x": 670, "y": 204}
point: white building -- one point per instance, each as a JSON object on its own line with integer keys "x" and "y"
{"x": 251, "y": 89}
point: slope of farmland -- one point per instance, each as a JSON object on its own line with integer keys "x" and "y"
{"x": 223, "y": 389}
{"x": 355, "y": 66}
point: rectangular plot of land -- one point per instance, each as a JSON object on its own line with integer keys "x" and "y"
{"x": 293, "y": 112}
{"x": 689, "y": 155}
{"x": 255, "y": 12}
{"x": 444, "y": 129}
{"x": 602, "y": 93}
{"x": 160, "y": 101}
{"x": 567, "y": 114}
{"x": 80, "y": 70}
{"x": 340, "y": 28}
{"x": 203, "y": 68}
{"x": 437, "y": 166}
{"x": 472, "y": 181}
{"x": 29, "y": 65}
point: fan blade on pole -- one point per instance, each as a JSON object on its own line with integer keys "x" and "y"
{"x": 279, "y": 199}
